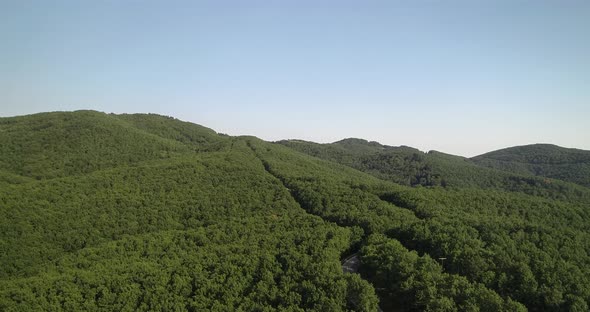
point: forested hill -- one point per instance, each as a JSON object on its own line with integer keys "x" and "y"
{"x": 103, "y": 212}
{"x": 543, "y": 160}
{"x": 147, "y": 213}
{"x": 59, "y": 144}
{"x": 410, "y": 166}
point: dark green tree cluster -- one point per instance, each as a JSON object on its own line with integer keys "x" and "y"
{"x": 417, "y": 283}
{"x": 234, "y": 266}
{"x": 403, "y": 165}
{"x": 529, "y": 248}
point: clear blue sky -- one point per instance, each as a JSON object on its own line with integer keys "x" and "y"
{"x": 462, "y": 77}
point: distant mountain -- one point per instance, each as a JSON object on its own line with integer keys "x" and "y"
{"x": 403, "y": 165}
{"x": 545, "y": 160}
{"x": 410, "y": 166}
{"x": 142, "y": 212}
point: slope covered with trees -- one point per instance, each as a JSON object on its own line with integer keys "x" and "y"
{"x": 144, "y": 212}
{"x": 201, "y": 227}
{"x": 525, "y": 248}
{"x": 409, "y": 166}
{"x": 545, "y": 160}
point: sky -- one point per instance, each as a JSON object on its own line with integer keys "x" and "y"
{"x": 461, "y": 77}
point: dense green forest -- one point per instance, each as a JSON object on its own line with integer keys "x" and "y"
{"x": 543, "y": 160}
{"x": 103, "y": 212}
{"x": 499, "y": 171}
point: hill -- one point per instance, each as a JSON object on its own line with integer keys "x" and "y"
{"x": 409, "y": 166}
{"x": 495, "y": 239}
{"x": 144, "y": 212}
{"x": 148, "y": 213}
{"x": 545, "y": 160}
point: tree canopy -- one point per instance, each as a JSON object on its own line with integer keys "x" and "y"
{"x": 102, "y": 212}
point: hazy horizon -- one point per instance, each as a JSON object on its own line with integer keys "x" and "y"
{"x": 458, "y": 77}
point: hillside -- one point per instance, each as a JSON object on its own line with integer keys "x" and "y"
{"x": 148, "y": 213}
{"x": 545, "y": 160}
{"x": 409, "y": 166}
{"x": 145, "y": 212}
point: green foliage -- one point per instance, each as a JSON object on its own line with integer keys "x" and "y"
{"x": 408, "y": 166}
{"x": 234, "y": 266}
{"x": 51, "y": 145}
{"x": 418, "y": 283}
{"x": 543, "y": 160}
{"x": 145, "y": 212}
{"x": 403, "y": 165}
{"x": 522, "y": 247}
{"x": 184, "y": 231}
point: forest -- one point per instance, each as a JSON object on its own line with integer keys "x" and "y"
{"x": 142, "y": 212}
